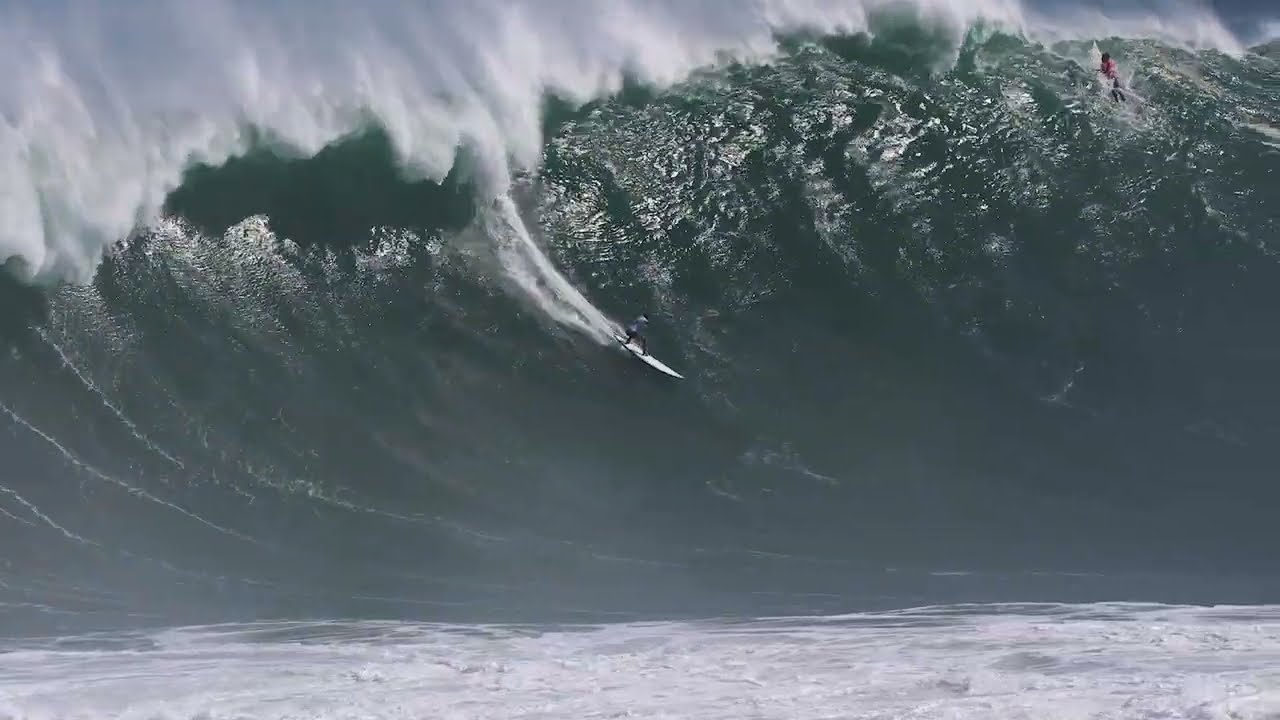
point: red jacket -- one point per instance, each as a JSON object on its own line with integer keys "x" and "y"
{"x": 1109, "y": 69}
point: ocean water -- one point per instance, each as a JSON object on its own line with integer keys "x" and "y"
{"x": 307, "y": 363}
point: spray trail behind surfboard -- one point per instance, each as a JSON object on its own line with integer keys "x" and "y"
{"x": 537, "y": 277}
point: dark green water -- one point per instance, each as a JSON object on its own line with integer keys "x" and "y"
{"x": 975, "y": 335}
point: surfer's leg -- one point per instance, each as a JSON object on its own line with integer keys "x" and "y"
{"x": 1115, "y": 91}
{"x": 633, "y": 337}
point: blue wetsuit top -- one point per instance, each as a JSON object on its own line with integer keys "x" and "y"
{"x": 638, "y": 326}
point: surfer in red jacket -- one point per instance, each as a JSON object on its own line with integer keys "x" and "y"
{"x": 1112, "y": 72}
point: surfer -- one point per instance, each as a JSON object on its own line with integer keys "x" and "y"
{"x": 635, "y": 331}
{"x": 1112, "y": 72}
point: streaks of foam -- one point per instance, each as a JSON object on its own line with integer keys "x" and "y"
{"x": 10, "y": 515}
{"x": 132, "y": 490}
{"x": 35, "y": 511}
{"x": 93, "y": 388}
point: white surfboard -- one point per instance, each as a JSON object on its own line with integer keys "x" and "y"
{"x": 651, "y": 360}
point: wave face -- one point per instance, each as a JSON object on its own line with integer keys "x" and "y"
{"x": 955, "y": 327}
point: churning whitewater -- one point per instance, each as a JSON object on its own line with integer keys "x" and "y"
{"x": 1002, "y": 661}
{"x": 308, "y": 366}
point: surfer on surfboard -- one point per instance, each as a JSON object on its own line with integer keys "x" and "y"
{"x": 1112, "y": 72}
{"x": 635, "y": 344}
{"x": 635, "y": 332}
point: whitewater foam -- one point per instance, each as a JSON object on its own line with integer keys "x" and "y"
{"x": 1098, "y": 661}
{"x": 102, "y": 108}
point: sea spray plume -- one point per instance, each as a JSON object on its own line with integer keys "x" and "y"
{"x": 104, "y": 105}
